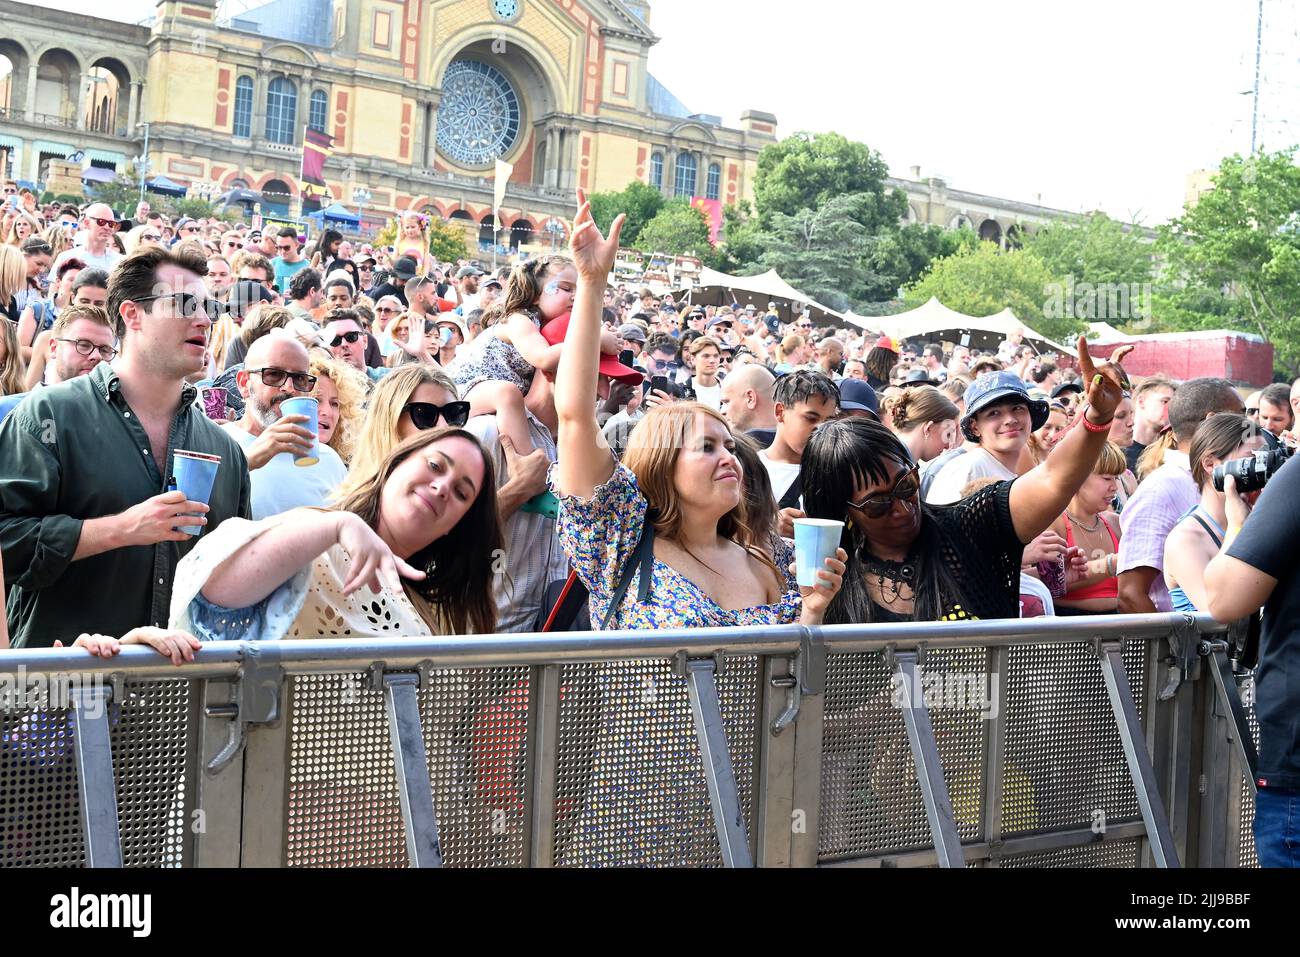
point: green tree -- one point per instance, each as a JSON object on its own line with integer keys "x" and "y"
{"x": 806, "y": 170}
{"x": 1094, "y": 249}
{"x": 640, "y": 201}
{"x": 1235, "y": 254}
{"x": 678, "y": 229}
{"x": 982, "y": 280}
{"x": 741, "y": 242}
{"x": 447, "y": 240}
{"x": 898, "y": 257}
{"x": 122, "y": 194}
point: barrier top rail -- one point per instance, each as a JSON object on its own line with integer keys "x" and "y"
{"x": 225, "y": 659}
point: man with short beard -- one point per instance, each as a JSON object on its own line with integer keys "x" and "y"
{"x": 277, "y": 369}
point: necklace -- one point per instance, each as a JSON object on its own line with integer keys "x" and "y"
{"x": 1087, "y": 528}
{"x": 892, "y": 577}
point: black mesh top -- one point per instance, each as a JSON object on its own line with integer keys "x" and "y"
{"x": 979, "y": 546}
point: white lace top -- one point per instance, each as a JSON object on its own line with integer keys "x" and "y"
{"x": 309, "y": 605}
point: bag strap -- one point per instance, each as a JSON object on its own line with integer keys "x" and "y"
{"x": 1214, "y": 537}
{"x": 644, "y": 559}
{"x": 574, "y": 593}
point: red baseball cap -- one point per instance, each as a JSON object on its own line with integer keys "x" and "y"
{"x": 884, "y": 342}
{"x": 554, "y": 333}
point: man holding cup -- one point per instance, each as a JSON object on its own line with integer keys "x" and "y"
{"x": 288, "y": 466}
{"x": 89, "y": 530}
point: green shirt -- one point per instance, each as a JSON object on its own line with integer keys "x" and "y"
{"x": 76, "y": 451}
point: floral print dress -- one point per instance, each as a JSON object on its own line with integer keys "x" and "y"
{"x": 642, "y": 802}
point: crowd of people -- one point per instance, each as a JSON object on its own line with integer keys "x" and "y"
{"x": 481, "y": 438}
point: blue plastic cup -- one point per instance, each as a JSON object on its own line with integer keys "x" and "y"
{"x": 195, "y": 474}
{"x": 815, "y": 540}
{"x": 305, "y": 405}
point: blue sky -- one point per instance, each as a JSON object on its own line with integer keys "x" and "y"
{"x": 1103, "y": 104}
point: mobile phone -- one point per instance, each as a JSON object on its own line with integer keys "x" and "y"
{"x": 626, "y": 357}
{"x": 659, "y": 383}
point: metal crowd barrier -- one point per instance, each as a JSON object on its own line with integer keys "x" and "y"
{"x": 1080, "y": 742}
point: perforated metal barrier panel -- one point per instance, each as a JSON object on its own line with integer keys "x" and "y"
{"x": 1109, "y": 854}
{"x": 40, "y": 824}
{"x": 870, "y": 798}
{"x": 344, "y": 809}
{"x": 1247, "y": 856}
{"x": 1063, "y": 764}
{"x": 630, "y": 787}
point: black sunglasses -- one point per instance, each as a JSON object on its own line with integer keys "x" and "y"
{"x": 878, "y": 506}
{"x": 187, "y": 304}
{"x": 345, "y": 337}
{"x": 273, "y": 377}
{"x": 424, "y": 415}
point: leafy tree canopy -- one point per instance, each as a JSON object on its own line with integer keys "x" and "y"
{"x": 807, "y": 170}
{"x": 678, "y": 229}
{"x": 640, "y": 201}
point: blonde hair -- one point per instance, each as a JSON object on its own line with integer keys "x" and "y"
{"x": 13, "y": 273}
{"x": 351, "y": 386}
{"x": 1153, "y": 456}
{"x": 918, "y": 405}
{"x": 58, "y": 239}
{"x": 652, "y": 452}
{"x": 13, "y": 372}
{"x": 787, "y": 347}
{"x": 1111, "y": 461}
{"x": 34, "y": 229}
{"x": 1036, "y": 450}
{"x": 266, "y": 317}
{"x": 378, "y": 432}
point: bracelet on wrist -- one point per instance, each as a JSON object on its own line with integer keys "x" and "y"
{"x": 1097, "y": 427}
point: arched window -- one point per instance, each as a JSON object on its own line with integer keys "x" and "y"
{"x": 244, "y": 106}
{"x": 684, "y": 180}
{"x": 281, "y": 111}
{"x": 657, "y": 170}
{"x": 319, "y": 108}
{"x": 714, "y": 188}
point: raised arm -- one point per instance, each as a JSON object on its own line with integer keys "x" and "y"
{"x": 583, "y": 463}
{"x": 1041, "y": 495}
{"x": 278, "y": 554}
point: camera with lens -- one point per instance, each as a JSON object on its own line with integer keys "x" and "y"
{"x": 1252, "y": 474}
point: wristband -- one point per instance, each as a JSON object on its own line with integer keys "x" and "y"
{"x": 1228, "y": 536}
{"x": 1100, "y": 427}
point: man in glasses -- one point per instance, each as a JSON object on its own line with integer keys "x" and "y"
{"x": 80, "y": 339}
{"x": 288, "y": 258}
{"x": 276, "y": 369}
{"x": 660, "y": 355}
{"x": 88, "y": 529}
{"x": 98, "y": 225}
{"x": 347, "y": 342}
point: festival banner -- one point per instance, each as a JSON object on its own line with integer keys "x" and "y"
{"x": 316, "y": 147}
{"x": 712, "y": 210}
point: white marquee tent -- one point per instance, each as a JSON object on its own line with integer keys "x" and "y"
{"x": 715, "y": 288}
{"x": 935, "y": 322}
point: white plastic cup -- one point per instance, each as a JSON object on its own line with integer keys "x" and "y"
{"x": 305, "y": 405}
{"x": 815, "y": 540}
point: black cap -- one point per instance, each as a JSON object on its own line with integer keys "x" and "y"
{"x": 856, "y": 395}
{"x": 244, "y": 295}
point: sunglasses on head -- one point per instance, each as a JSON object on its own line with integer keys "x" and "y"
{"x": 345, "y": 337}
{"x": 878, "y": 506}
{"x": 302, "y": 381}
{"x": 425, "y": 415}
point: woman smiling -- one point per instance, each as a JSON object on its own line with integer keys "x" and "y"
{"x": 408, "y": 551}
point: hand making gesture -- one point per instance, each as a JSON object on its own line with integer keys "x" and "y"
{"x": 1105, "y": 384}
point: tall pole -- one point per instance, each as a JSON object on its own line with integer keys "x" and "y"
{"x": 144, "y": 161}
{"x": 1254, "y": 109}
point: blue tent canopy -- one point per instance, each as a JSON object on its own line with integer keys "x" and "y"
{"x": 336, "y": 213}
{"x": 161, "y": 184}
